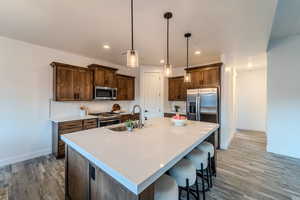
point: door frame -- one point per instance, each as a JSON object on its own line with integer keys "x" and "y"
{"x": 152, "y": 69}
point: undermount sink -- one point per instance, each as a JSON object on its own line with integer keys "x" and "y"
{"x": 118, "y": 128}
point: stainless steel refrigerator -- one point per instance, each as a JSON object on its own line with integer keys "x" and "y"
{"x": 201, "y": 102}
{"x": 203, "y": 105}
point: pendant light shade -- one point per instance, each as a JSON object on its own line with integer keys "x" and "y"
{"x": 187, "y": 76}
{"x": 132, "y": 55}
{"x": 132, "y": 59}
{"x": 168, "y": 70}
{"x": 168, "y": 66}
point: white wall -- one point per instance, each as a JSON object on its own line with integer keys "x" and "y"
{"x": 26, "y": 90}
{"x": 251, "y": 99}
{"x": 228, "y": 118}
{"x": 283, "y": 102}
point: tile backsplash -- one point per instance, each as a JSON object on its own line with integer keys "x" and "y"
{"x": 67, "y": 109}
{"x": 170, "y": 106}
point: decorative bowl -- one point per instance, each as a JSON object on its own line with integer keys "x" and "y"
{"x": 179, "y": 122}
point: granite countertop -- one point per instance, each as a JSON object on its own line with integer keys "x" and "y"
{"x": 137, "y": 159}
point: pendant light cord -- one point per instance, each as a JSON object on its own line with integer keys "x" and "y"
{"x": 187, "y": 53}
{"x": 132, "y": 26}
{"x": 168, "y": 42}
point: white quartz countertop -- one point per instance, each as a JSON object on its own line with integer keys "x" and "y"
{"x": 136, "y": 159}
{"x": 72, "y": 118}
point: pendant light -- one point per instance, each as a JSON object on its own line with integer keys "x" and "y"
{"x": 168, "y": 66}
{"x": 187, "y": 76}
{"x": 132, "y": 55}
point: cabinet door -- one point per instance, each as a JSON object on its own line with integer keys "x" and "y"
{"x": 130, "y": 89}
{"x": 197, "y": 78}
{"x": 77, "y": 176}
{"x": 65, "y": 84}
{"x": 109, "y": 78}
{"x": 99, "y": 77}
{"x": 172, "y": 89}
{"x": 177, "y": 89}
{"x": 211, "y": 77}
{"x": 122, "y": 90}
{"x": 83, "y": 85}
{"x": 183, "y": 90}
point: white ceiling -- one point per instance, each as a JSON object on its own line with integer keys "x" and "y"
{"x": 287, "y": 19}
{"x": 82, "y": 27}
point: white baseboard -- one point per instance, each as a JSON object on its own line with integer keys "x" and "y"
{"x": 226, "y": 144}
{"x": 23, "y": 157}
{"x": 283, "y": 152}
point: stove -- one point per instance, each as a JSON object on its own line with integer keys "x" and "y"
{"x": 107, "y": 118}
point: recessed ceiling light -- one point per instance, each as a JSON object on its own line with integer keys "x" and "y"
{"x": 106, "y": 46}
{"x": 162, "y": 61}
{"x": 197, "y": 52}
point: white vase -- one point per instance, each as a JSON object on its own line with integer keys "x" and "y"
{"x": 82, "y": 113}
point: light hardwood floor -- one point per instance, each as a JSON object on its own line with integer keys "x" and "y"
{"x": 245, "y": 171}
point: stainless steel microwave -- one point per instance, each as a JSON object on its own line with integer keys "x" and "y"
{"x": 105, "y": 93}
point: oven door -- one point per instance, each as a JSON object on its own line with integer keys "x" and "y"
{"x": 103, "y": 93}
{"x": 108, "y": 122}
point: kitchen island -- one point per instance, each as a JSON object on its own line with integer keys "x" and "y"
{"x": 106, "y": 164}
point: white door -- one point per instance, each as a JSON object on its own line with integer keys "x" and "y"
{"x": 152, "y": 94}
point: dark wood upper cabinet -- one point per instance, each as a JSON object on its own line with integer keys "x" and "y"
{"x": 196, "y": 79}
{"x": 177, "y": 89}
{"x": 201, "y": 77}
{"x": 83, "y": 84}
{"x": 71, "y": 83}
{"x": 104, "y": 76}
{"x": 205, "y": 76}
{"x": 126, "y": 87}
{"x": 211, "y": 76}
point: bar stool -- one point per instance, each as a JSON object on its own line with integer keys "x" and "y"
{"x": 210, "y": 150}
{"x": 184, "y": 172}
{"x": 200, "y": 160}
{"x": 165, "y": 188}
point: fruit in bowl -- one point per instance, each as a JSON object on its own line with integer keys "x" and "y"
{"x": 179, "y": 120}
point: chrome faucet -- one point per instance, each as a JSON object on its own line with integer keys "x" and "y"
{"x": 140, "y": 124}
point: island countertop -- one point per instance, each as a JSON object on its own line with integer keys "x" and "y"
{"x": 136, "y": 159}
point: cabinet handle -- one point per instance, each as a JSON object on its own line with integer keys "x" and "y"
{"x": 92, "y": 172}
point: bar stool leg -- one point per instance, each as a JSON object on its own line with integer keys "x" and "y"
{"x": 179, "y": 196}
{"x": 208, "y": 179}
{"x": 203, "y": 184}
{"x": 197, "y": 189}
{"x": 188, "y": 189}
{"x": 210, "y": 170}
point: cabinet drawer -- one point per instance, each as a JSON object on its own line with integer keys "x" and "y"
{"x": 70, "y": 125}
{"x": 71, "y": 130}
{"x": 90, "y": 123}
{"x": 61, "y": 148}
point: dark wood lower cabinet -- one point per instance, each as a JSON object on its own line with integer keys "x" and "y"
{"x": 77, "y": 176}
{"x": 85, "y": 181}
{"x": 124, "y": 118}
{"x": 61, "y": 128}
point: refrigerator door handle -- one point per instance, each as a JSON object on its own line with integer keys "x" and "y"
{"x": 197, "y": 108}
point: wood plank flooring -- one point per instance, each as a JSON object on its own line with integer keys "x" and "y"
{"x": 245, "y": 171}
